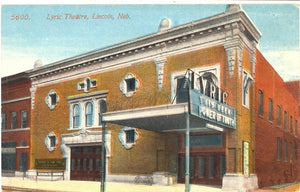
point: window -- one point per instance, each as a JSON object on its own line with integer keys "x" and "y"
{"x": 270, "y": 110}
{"x": 285, "y": 151}
{"x": 211, "y": 167}
{"x": 13, "y": 120}
{"x": 279, "y": 115}
{"x": 86, "y": 85}
{"x": 260, "y": 103}
{"x": 296, "y": 128}
{"x": 103, "y": 108}
{"x": 3, "y": 122}
{"x": 278, "y": 148}
{"x": 129, "y": 136}
{"x": 291, "y": 152}
{"x": 24, "y": 118}
{"x": 182, "y": 90}
{"x": 89, "y": 114}
{"x": 51, "y": 99}
{"x": 291, "y": 124}
{"x": 76, "y": 115}
{"x": 201, "y": 167}
{"x": 85, "y": 110}
{"x": 247, "y": 80}
{"x": 52, "y": 141}
{"x": 285, "y": 120}
{"x": 129, "y": 85}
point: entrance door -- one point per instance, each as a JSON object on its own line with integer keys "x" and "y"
{"x": 205, "y": 168}
{"x": 86, "y": 163}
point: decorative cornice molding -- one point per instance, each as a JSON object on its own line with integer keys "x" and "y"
{"x": 233, "y": 22}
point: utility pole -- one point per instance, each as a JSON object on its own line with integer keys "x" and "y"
{"x": 103, "y": 156}
{"x": 187, "y": 137}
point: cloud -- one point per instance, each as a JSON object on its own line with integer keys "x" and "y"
{"x": 286, "y": 63}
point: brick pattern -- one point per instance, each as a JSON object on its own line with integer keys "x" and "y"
{"x": 271, "y": 171}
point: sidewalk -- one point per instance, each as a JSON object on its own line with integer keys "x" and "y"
{"x": 17, "y": 183}
{"x": 20, "y": 184}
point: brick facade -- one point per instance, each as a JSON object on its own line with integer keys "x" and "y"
{"x": 270, "y": 169}
{"x": 16, "y": 98}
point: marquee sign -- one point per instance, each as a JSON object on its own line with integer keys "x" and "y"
{"x": 211, "y": 109}
{"x": 51, "y": 164}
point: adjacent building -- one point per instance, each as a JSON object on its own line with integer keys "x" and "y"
{"x": 15, "y": 123}
{"x": 206, "y": 75}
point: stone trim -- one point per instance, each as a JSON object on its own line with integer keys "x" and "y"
{"x": 15, "y": 100}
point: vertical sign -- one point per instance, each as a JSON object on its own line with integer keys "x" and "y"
{"x": 246, "y": 158}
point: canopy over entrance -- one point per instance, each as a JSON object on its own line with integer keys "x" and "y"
{"x": 164, "y": 118}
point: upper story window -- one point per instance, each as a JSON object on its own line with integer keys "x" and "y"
{"x": 285, "y": 119}
{"x": 85, "y": 110}
{"x": 247, "y": 80}
{"x": 279, "y": 115}
{"x": 129, "y": 85}
{"x": 87, "y": 84}
{"x": 52, "y": 99}
{"x": 89, "y": 113}
{"x": 260, "y": 103}
{"x": 102, "y": 109}
{"x": 3, "y": 121}
{"x": 13, "y": 120}
{"x": 24, "y": 118}
{"x": 76, "y": 115}
{"x": 291, "y": 124}
{"x": 296, "y": 128}
{"x": 182, "y": 89}
{"x": 270, "y": 110}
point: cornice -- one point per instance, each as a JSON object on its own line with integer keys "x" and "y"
{"x": 154, "y": 42}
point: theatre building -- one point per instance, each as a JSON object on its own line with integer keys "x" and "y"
{"x": 207, "y": 76}
{"x": 15, "y": 123}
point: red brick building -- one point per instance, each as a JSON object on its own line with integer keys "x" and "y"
{"x": 276, "y": 126}
{"x": 15, "y": 127}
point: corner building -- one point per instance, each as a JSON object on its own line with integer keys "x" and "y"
{"x": 140, "y": 88}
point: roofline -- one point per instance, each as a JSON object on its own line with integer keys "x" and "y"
{"x": 152, "y": 40}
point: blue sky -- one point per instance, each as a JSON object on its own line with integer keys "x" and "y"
{"x": 25, "y": 41}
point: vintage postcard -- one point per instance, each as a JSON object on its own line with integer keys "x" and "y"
{"x": 150, "y": 97}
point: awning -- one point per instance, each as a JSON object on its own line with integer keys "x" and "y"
{"x": 163, "y": 118}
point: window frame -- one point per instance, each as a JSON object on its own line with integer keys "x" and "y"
{"x": 24, "y": 119}
{"x": 279, "y": 115}
{"x": 13, "y": 120}
{"x": 271, "y": 117}
{"x": 260, "y": 103}
{"x": 285, "y": 119}
{"x": 76, "y": 116}
{"x": 3, "y": 121}
{"x": 278, "y": 148}
{"x": 89, "y": 114}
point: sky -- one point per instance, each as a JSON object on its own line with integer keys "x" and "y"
{"x": 33, "y": 35}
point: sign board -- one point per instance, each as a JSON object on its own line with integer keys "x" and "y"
{"x": 211, "y": 109}
{"x": 246, "y": 158}
{"x": 51, "y": 164}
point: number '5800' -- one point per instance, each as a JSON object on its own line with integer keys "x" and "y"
{"x": 19, "y": 17}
